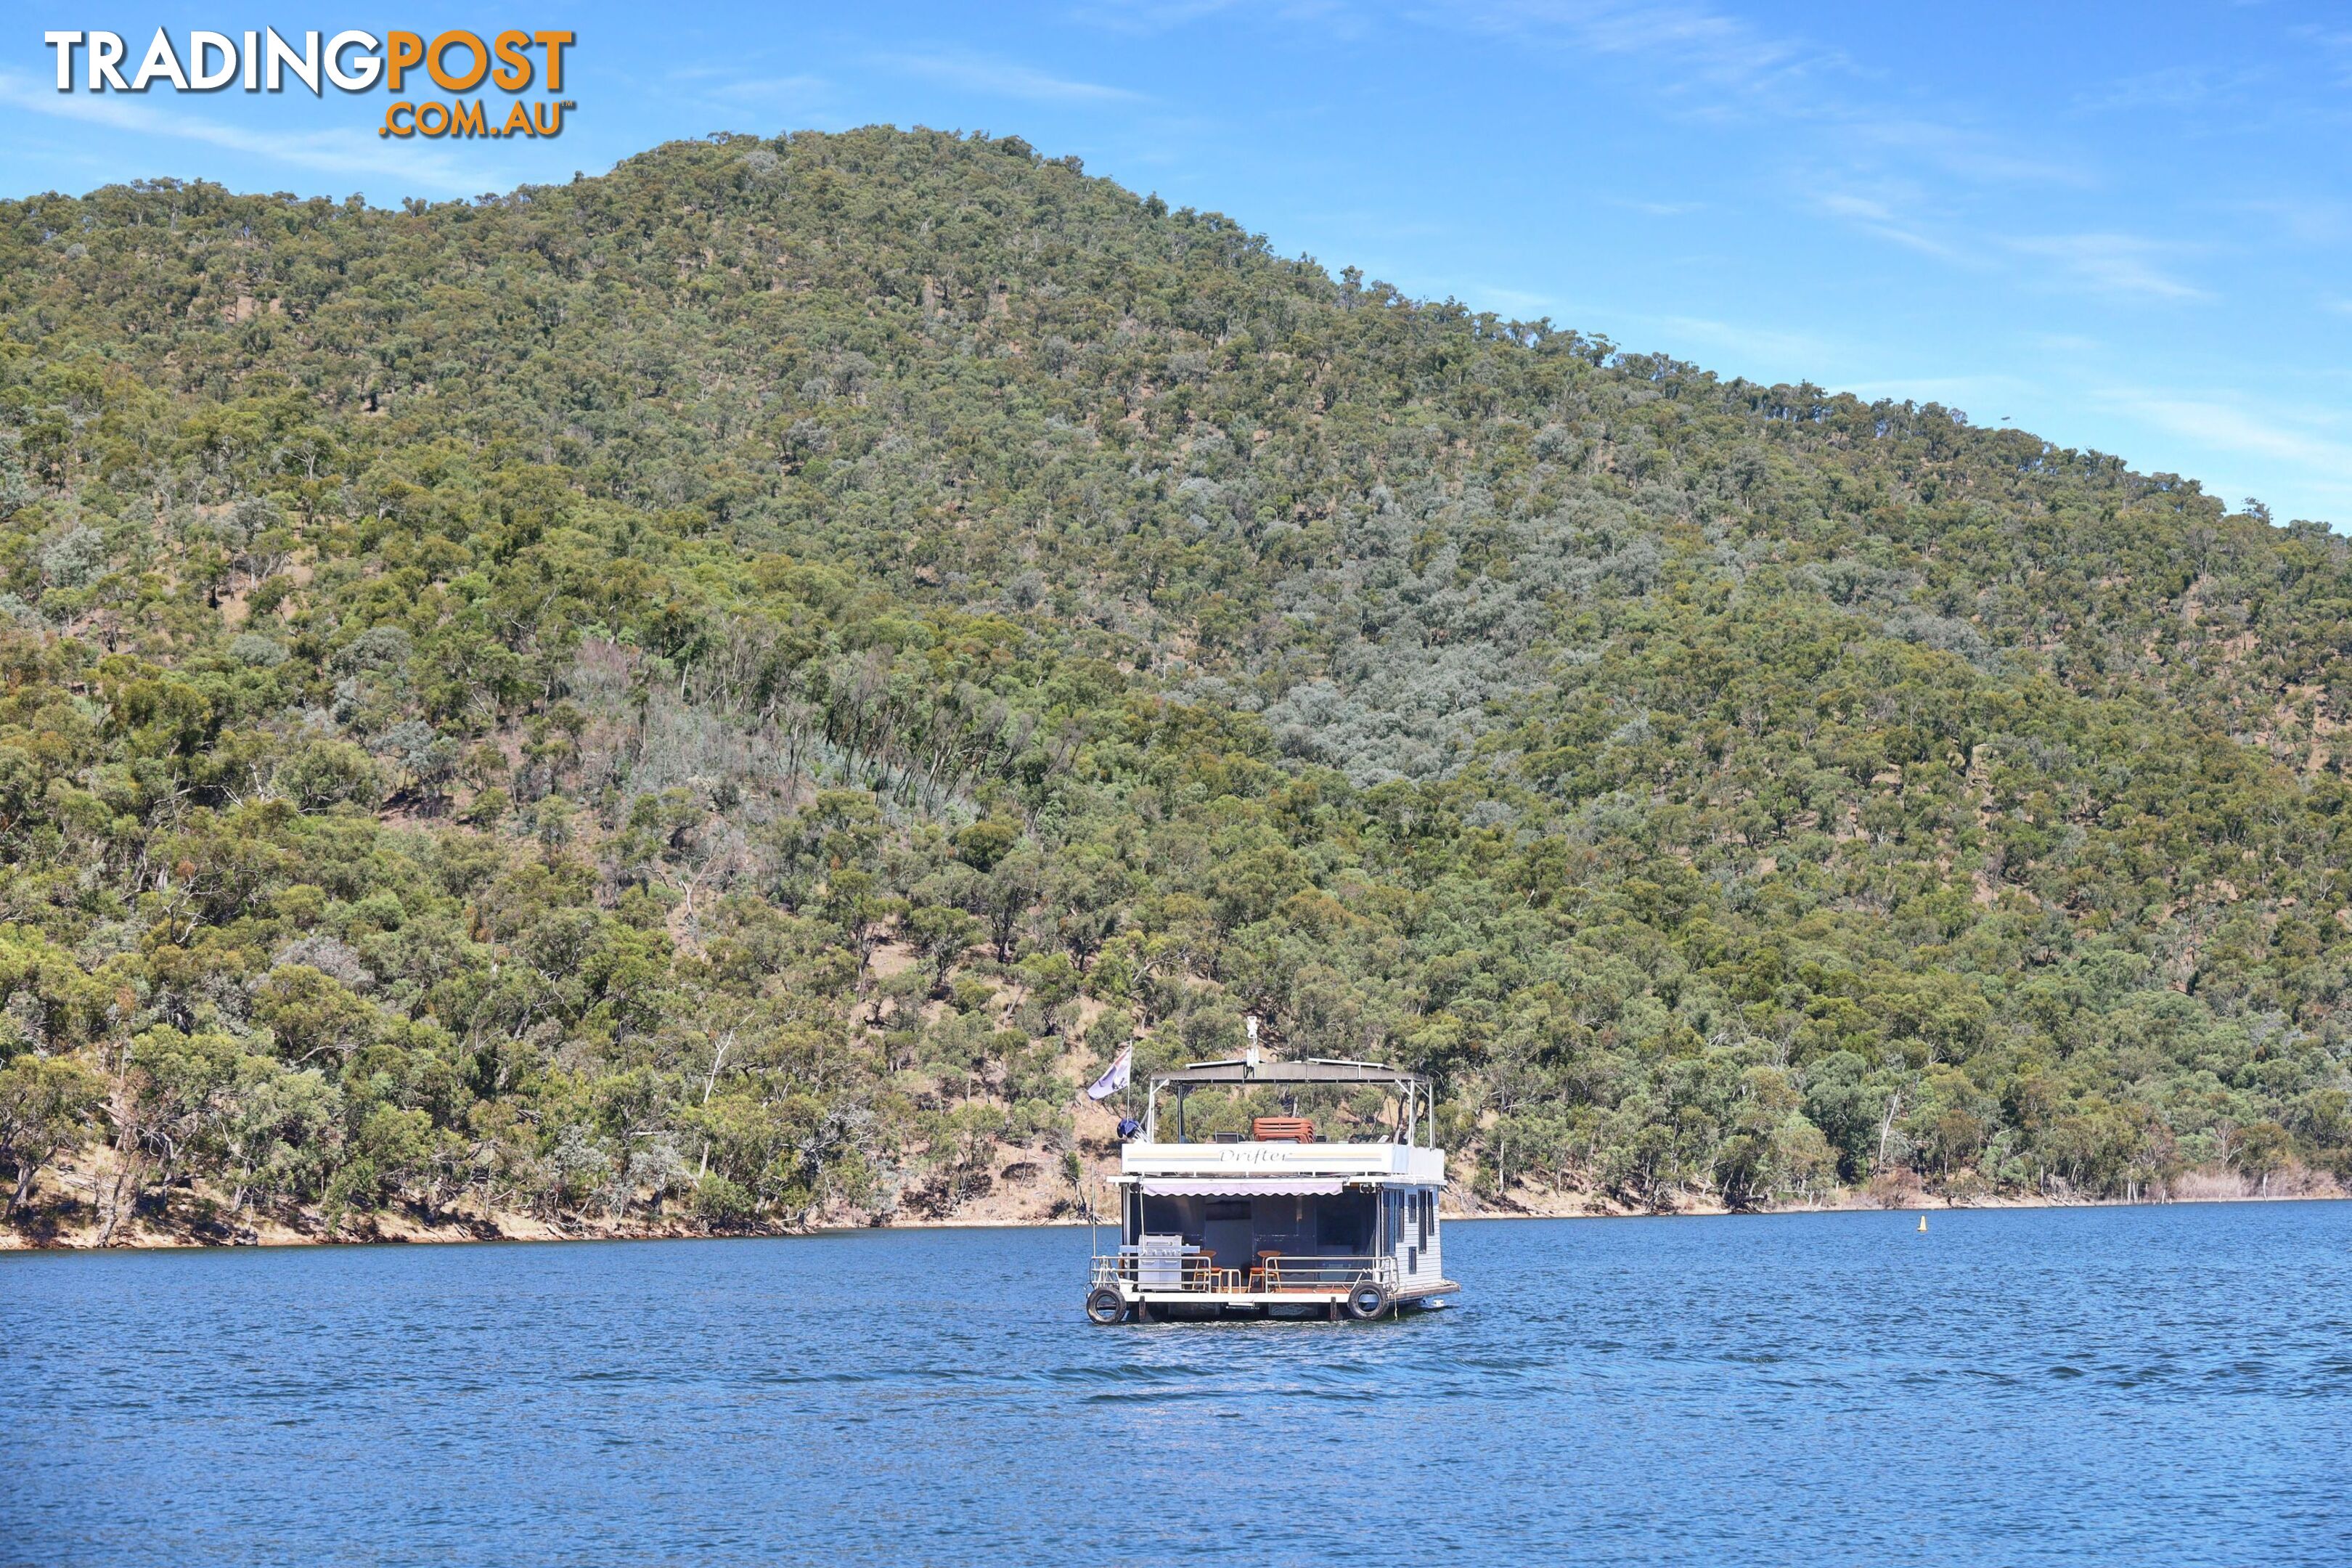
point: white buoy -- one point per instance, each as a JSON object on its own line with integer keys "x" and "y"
{"x": 1923, "y": 1224}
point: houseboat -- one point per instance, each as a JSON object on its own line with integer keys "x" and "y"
{"x": 1263, "y": 1215}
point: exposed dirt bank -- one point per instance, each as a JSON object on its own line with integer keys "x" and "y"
{"x": 2191, "y": 1187}
{"x": 67, "y": 1210}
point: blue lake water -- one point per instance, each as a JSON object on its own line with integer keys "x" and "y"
{"x": 2093, "y": 1386}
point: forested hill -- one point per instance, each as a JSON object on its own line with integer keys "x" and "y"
{"x": 716, "y": 693}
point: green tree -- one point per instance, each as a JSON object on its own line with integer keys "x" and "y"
{"x": 47, "y": 1105}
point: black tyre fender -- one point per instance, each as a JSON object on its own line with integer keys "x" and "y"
{"x": 1368, "y": 1299}
{"x": 1104, "y": 1305}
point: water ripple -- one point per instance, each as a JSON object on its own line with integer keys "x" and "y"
{"x": 2020, "y": 1387}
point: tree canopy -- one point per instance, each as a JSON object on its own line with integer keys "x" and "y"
{"x": 727, "y": 689}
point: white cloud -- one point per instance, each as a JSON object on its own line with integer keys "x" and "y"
{"x": 1970, "y": 154}
{"x": 1781, "y": 351}
{"x": 1147, "y": 17}
{"x": 794, "y": 90}
{"x": 2303, "y": 220}
{"x": 1694, "y": 45}
{"x": 1005, "y": 78}
{"x": 336, "y": 151}
{"x": 2236, "y": 428}
{"x": 1971, "y": 393}
{"x": 2174, "y": 88}
{"x": 1876, "y": 217}
{"x": 2333, "y": 45}
{"x": 2115, "y": 264}
{"x": 1516, "y": 300}
{"x": 1520, "y": 304}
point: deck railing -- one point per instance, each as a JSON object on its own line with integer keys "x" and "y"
{"x": 1272, "y": 1275}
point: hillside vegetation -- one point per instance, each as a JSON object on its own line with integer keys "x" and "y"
{"x": 715, "y": 694}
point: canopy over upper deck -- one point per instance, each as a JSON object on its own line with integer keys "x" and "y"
{"x": 1254, "y": 1069}
{"x": 1415, "y": 1126}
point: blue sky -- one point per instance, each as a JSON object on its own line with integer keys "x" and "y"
{"x": 2120, "y": 227}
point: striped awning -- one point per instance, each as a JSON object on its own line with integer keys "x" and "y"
{"x": 1242, "y": 1186}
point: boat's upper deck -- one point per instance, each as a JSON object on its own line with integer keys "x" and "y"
{"x": 1285, "y": 1147}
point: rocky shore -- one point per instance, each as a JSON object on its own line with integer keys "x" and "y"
{"x": 65, "y": 1212}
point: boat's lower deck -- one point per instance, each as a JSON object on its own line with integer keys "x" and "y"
{"x": 1296, "y": 1298}
{"x": 1366, "y": 1299}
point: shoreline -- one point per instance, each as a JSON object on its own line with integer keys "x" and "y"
{"x": 391, "y": 1228}
{"x": 1930, "y": 1205}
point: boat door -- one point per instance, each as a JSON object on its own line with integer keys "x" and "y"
{"x": 1228, "y": 1232}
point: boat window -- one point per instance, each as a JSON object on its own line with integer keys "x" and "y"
{"x": 1425, "y": 1206}
{"x": 1337, "y": 1225}
{"x": 1229, "y": 1208}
